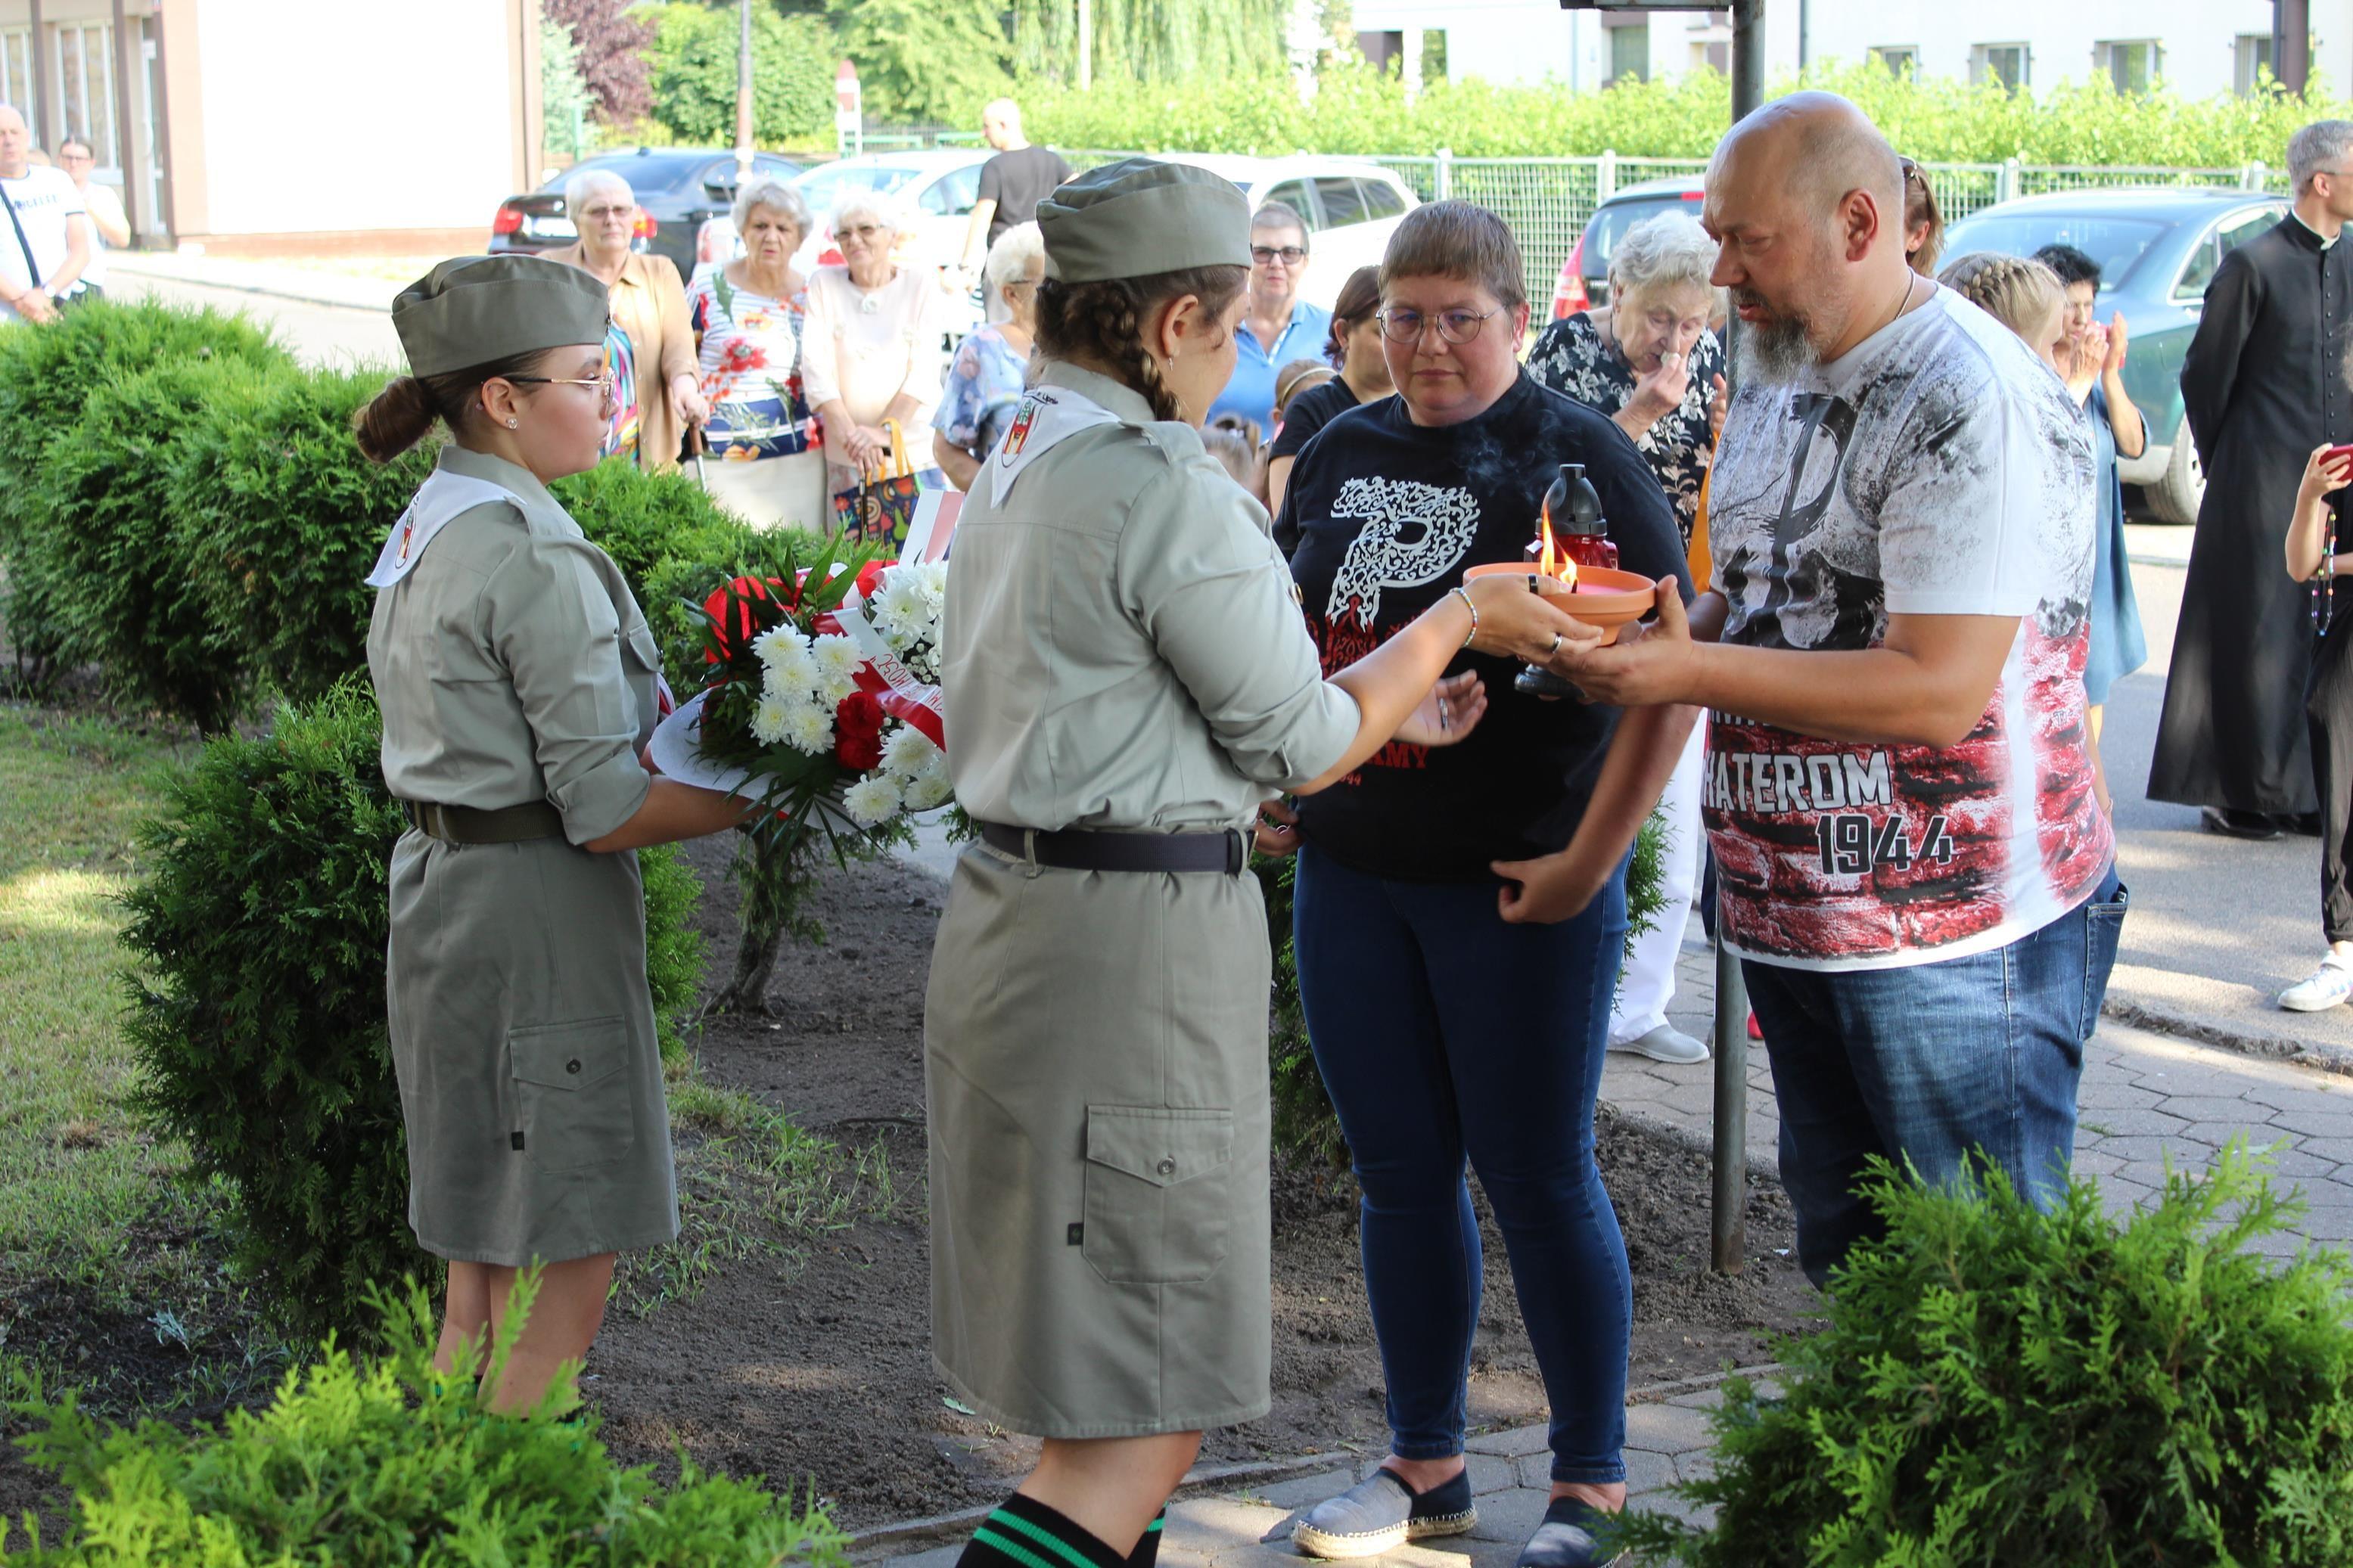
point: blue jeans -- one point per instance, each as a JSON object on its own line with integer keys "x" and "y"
{"x": 1938, "y": 1063}
{"x": 1443, "y": 1032}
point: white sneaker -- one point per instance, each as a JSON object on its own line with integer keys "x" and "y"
{"x": 2327, "y": 986}
{"x": 1668, "y": 1044}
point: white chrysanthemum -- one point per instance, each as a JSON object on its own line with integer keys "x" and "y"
{"x": 832, "y": 689}
{"x": 768, "y": 721}
{"x": 809, "y": 728}
{"x": 836, "y": 656}
{"x": 902, "y": 602}
{"x": 779, "y": 642}
{"x": 927, "y": 791}
{"x": 872, "y": 800}
{"x": 791, "y": 674}
{"x": 908, "y": 750}
{"x": 933, "y": 576}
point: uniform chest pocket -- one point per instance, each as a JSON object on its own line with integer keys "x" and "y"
{"x": 576, "y": 1101}
{"x": 1158, "y": 1194}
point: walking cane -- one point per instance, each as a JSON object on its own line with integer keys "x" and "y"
{"x": 697, "y": 444}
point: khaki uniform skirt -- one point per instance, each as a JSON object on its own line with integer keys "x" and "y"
{"x": 1095, "y": 1060}
{"x": 522, "y": 1035}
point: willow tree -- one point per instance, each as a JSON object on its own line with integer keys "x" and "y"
{"x": 1152, "y": 41}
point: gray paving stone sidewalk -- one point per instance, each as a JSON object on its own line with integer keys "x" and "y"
{"x": 2146, "y": 1099}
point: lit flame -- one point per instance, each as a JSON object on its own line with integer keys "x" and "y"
{"x": 1551, "y": 560}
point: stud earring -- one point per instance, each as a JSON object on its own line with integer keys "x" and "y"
{"x": 514, "y": 423}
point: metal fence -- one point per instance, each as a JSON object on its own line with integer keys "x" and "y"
{"x": 1547, "y": 201}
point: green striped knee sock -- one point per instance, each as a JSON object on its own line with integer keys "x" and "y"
{"x": 1026, "y": 1533}
{"x": 1148, "y": 1548}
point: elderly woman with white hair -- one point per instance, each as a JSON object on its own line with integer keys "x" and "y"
{"x": 751, "y": 316}
{"x": 873, "y": 346}
{"x": 985, "y": 380}
{"x": 649, "y": 346}
{"x": 1649, "y": 361}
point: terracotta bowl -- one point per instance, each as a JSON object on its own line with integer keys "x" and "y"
{"x": 1603, "y": 598}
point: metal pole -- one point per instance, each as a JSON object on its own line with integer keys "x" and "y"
{"x": 1728, "y": 1194}
{"x": 743, "y": 92}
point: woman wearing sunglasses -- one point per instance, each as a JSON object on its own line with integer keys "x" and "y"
{"x": 1461, "y": 913}
{"x": 518, "y": 685}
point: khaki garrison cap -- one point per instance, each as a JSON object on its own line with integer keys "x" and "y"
{"x": 1139, "y": 216}
{"x": 476, "y": 309}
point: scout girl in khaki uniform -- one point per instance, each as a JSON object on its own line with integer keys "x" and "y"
{"x": 517, "y": 679}
{"x": 1127, "y": 679}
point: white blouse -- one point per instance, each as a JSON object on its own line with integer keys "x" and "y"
{"x": 867, "y": 346}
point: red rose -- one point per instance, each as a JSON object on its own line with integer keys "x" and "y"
{"x": 858, "y": 731}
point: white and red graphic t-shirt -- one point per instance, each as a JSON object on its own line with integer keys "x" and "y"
{"x": 1938, "y": 468}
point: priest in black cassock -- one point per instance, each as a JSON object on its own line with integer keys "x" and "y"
{"x": 2264, "y": 382}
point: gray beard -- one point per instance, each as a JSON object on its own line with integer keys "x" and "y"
{"x": 1775, "y": 354}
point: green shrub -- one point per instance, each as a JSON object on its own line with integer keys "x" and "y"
{"x": 258, "y": 1018}
{"x": 1304, "y": 1121}
{"x": 99, "y": 541}
{"x": 385, "y": 1462}
{"x": 641, "y": 520}
{"x": 47, "y": 373}
{"x": 2060, "y": 1391}
{"x": 692, "y": 73}
{"x": 674, "y": 948}
{"x": 1359, "y": 108}
{"x": 279, "y": 519}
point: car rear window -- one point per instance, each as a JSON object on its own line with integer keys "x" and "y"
{"x": 649, "y": 174}
{"x": 1612, "y": 222}
{"x": 824, "y": 185}
{"x": 2117, "y": 243}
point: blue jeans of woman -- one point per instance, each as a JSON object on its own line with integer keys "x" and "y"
{"x": 1444, "y": 1032}
{"x": 1973, "y": 1060}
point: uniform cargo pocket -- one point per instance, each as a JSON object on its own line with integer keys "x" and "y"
{"x": 578, "y": 1103}
{"x": 1158, "y": 1194}
{"x": 639, "y": 640}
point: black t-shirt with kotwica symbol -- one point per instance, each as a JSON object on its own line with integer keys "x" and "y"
{"x": 1388, "y": 514}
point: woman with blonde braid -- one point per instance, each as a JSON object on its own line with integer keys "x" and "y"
{"x": 1127, "y": 679}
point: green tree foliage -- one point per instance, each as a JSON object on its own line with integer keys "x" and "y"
{"x": 1358, "y": 109}
{"x": 926, "y": 62}
{"x": 259, "y": 1012}
{"x": 2060, "y": 1391}
{"x": 610, "y": 40}
{"x": 1152, "y": 41}
{"x": 692, "y": 65}
{"x": 359, "y": 1462}
{"x": 565, "y": 103}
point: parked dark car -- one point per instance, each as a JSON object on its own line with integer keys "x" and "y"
{"x": 2157, "y": 249}
{"x": 676, "y": 187}
{"x": 1584, "y": 281}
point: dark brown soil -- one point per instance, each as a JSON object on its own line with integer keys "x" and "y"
{"x": 815, "y": 1364}
{"x": 803, "y": 1355}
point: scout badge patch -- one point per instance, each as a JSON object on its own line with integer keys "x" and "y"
{"x": 1047, "y": 416}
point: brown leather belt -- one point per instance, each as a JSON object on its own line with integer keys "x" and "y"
{"x": 1081, "y": 849}
{"x": 472, "y": 825}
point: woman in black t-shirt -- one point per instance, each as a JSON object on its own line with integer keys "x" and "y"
{"x": 1447, "y": 1017}
{"x": 1355, "y": 349}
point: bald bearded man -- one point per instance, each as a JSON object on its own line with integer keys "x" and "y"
{"x": 1915, "y": 859}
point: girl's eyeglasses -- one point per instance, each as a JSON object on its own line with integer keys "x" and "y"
{"x": 603, "y": 383}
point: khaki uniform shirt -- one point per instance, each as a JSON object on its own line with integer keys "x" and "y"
{"x": 513, "y": 665}
{"x": 1123, "y": 646}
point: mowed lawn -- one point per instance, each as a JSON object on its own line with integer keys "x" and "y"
{"x": 76, "y": 1174}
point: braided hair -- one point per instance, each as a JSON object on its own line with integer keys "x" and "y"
{"x": 2015, "y": 290}
{"x": 1103, "y": 320}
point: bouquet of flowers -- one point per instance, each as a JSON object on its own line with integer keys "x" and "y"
{"x": 822, "y": 698}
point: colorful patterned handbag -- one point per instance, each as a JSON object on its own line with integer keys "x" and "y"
{"x": 880, "y": 509}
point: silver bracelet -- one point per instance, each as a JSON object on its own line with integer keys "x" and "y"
{"x": 1464, "y": 595}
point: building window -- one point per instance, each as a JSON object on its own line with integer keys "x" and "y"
{"x": 2005, "y": 63}
{"x": 2132, "y": 65}
{"x": 1901, "y": 60}
{"x": 1433, "y": 55}
{"x": 16, "y": 69}
{"x": 1629, "y": 50}
{"x": 2254, "y": 57}
{"x": 1382, "y": 48}
{"x": 85, "y": 59}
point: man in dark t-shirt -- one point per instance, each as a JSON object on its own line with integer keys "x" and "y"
{"x": 1011, "y": 183}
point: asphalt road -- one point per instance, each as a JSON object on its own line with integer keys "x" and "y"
{"x": 2217, "y": 926}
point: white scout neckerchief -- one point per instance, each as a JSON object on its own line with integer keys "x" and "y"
{"x": 441, "y": 497}
{"x": 1048, "y": 416}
